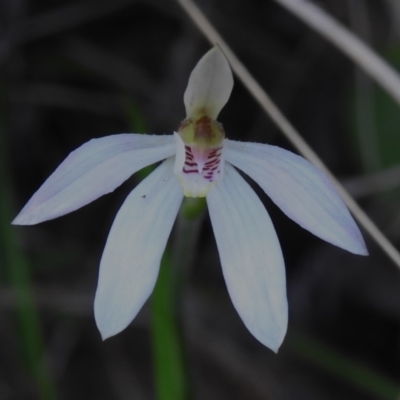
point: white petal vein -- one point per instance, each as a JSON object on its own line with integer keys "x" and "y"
{"x": 210, "y": 85}
{"x": 94, "y": 169}
{"x": 301, "y": 191}
{"x": 132, "y": 255}
{"x": 251, "y": 257}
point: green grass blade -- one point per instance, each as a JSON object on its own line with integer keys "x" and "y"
{"x": 168, "y": 354}
{"x": 17, "y": 271}
{"x": 336, "y": 364}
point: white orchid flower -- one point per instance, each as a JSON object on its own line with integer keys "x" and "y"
{"x": 199, "y": 162}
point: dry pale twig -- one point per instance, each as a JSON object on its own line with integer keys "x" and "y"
{"x": 347, "y": 42}
{"x": 288, "y": 130}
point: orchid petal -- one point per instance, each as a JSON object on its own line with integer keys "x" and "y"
{"x": 251, "y": 257}
{"x": 132, "y": 255}
{"x": 302, "y": 192}
{"x": 210, "y": 85}
{"x": 94, "y": 169}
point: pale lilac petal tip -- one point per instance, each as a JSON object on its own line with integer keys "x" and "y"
{"x": 301, "y": 191}
{"x": 94, "y": 169}
{"x": 132, "y": 255}
{"x": 251, "y": 258}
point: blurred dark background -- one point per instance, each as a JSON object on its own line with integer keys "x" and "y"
{"x": 73, "y": 70}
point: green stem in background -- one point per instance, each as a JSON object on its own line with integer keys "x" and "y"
{"x": 18, "y": 274}
{"x": 168, "y": 354}
{"x": 186, "y": 236}
{"x": 376, "y": 385}
{"x": 133, "y": 115}
{"x": 171, "y": 371}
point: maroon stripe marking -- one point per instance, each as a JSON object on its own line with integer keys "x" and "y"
{"x": 208, "y": 163}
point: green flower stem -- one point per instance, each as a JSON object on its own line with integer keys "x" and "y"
{"x": 187, "y": 232}
{"x": 170, "y": 365}
{"x": 171, "y": 371}
{"x": 17, "y": 270}
{"x": 168, "y": 354}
